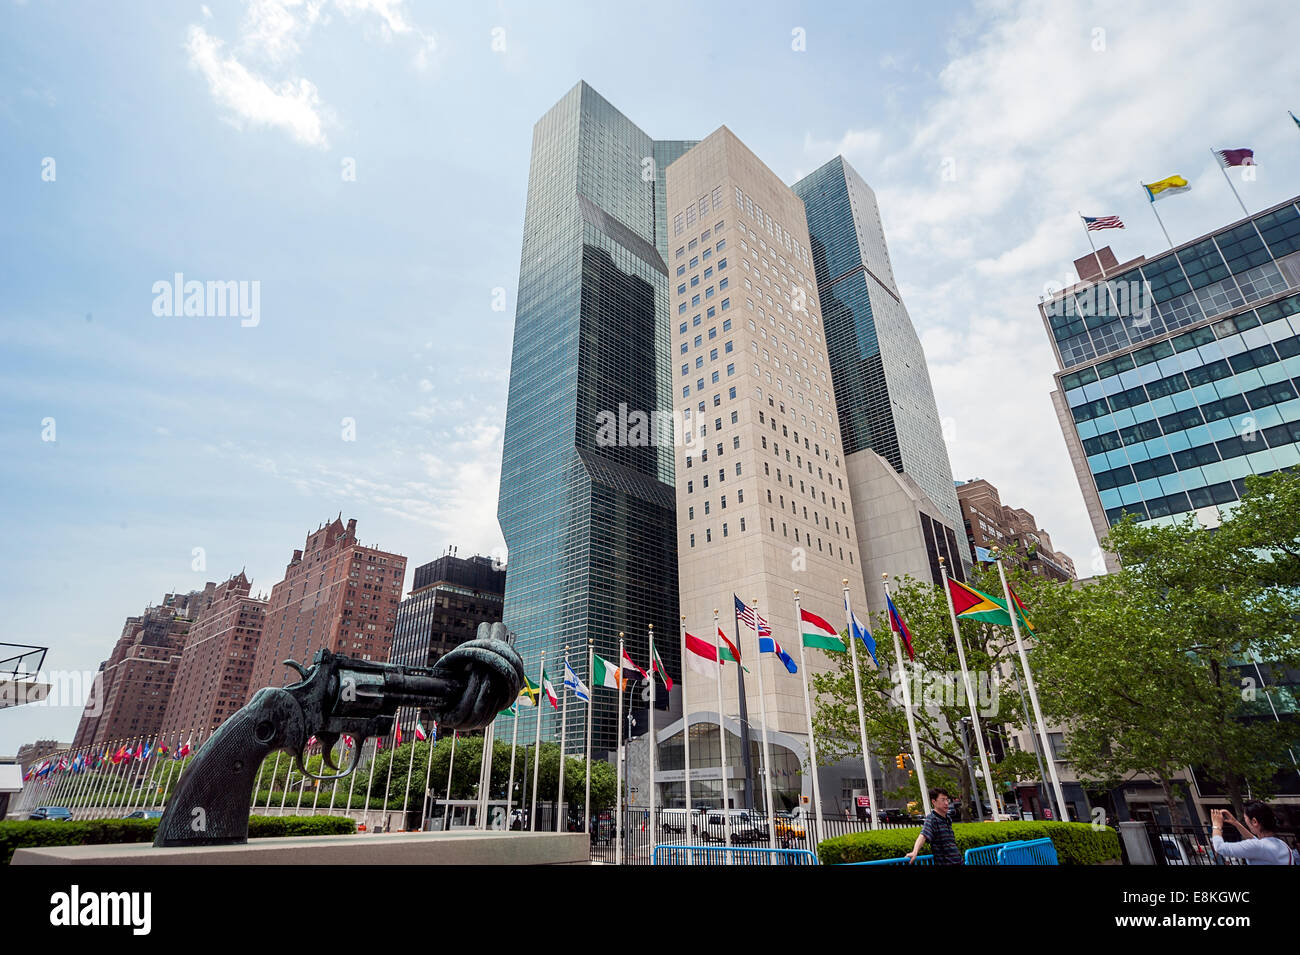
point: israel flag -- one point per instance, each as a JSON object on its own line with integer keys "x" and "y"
{"x": 571, "y": 682}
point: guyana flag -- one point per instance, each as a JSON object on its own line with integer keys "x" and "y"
{"x": 972, "y": 604}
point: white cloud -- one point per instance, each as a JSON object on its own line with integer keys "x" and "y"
{"x": 294, "y": 105}
{"x": 1040, "y": 123}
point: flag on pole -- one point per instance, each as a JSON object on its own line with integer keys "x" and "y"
{"x": 1097, "y": 223}
{"x": 973, "y": 604}
{"x": 605, "y": 674}
{"x": 769, "y": 645}
{"x": 819, "y": 634}
{"x": 528, "y": 695}
{"x": 184, "y": 750}
{"x": 574, "y": 685}
{"x": 1293, "y": 117}
{"x": 729, "y": 650}
{"x": 748, "y": 617}
{"x": 702, "y": 657}
{"x": 899, "y": 627}
{"x": 627, "y": 663}
{"x": 1235, "y": 157}
{"x": 550, "y": 691}
{"x": 1166, "y": 187}
{"x": 397, "y": 735}
{"x": 862, "y": 633}
{"x": 419, "y": 730}
{"x": 657, "y": 665}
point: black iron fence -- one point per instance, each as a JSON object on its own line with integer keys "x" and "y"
{"x": 1192, "y": 845}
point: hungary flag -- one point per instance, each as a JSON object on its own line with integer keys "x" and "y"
{"x": 972, "y": 604}
{"x": 820, "y": 634}
{"x": 604, "y": 673}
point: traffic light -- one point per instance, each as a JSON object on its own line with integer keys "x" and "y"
{"x": 899, "y": 760}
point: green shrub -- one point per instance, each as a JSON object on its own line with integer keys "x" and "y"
{"x": 24, "y": 834}
{"x": 1076, "y": 843}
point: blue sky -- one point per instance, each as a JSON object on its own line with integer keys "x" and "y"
{"x": 212, "y": 141}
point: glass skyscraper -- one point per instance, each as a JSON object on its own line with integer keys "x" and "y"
{"x": 591, "y": 523}
{"x": 1180, "y": 374}
{"x": 882, "y": 383}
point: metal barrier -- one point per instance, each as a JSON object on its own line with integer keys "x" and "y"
{"x": 721, "y": 855}
{"x": 987, "y": 855}
{"x": 1031, "y": 852}
{"x": 901, "y": 860}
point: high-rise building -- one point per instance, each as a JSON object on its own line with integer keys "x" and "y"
{"x": 910, "y": 518}
{"x": 1179, "y": 375}
{"x": 587, "y": 510}
{"x": 451, "y": 597}
{"x": 762, "y": 492}
{"x": 990, "y": 523}
{"x": 336, "y": 595}
{"x": 131, "y": 692}
{"x": 212, "y": 676}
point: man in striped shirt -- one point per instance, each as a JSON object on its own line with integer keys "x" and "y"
{"x": 937, "y": 830}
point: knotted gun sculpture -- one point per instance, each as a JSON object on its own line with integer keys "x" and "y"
{"x": 337, "y": 696}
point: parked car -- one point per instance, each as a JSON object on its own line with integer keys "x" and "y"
{"x": 145, "y": 814}
{"x": 674, "y": 820}
{"x": 746, "y": 827}
{"x": 895, "y": 816}
{"x": 791, "y": 824}
{"x": 52, "y": 813}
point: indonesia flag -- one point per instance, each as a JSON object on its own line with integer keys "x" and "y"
{"x": 702, "y": 657}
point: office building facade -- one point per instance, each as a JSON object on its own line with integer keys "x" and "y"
{"x": 990, "y": 523}
{"x": 450, "y": 598}
{"x": 336, "y": 595}
{"x": 883, "y": 392}
{"x": 586, "y": 504}
{"x": 762, "y": 492}
{"x": 1179, "y": 375}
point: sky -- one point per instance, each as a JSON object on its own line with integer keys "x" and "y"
{"x": 361, "y": 165}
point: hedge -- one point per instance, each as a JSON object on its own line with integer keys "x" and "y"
{"x": 31, "y": 834}
{"x": 1077, "y": 843}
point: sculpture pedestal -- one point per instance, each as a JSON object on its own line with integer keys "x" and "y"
{"x": 470, "y": 847}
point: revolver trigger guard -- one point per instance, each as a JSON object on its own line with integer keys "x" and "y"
{"x": 327, "y": 743}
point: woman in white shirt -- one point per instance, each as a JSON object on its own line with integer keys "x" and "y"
{"x": 1259, "y": 845}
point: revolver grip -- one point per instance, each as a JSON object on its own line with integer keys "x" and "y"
{"x": 210, "y": 805}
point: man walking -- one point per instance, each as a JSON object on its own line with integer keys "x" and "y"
{"x": 937, "y": 830}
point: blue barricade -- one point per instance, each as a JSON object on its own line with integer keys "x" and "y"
{"x": 736, "y": 855}
{"x": 1033, "y": 852}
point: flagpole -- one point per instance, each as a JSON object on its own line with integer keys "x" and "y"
{"x": 537, "y": 744}
{"x": 767, "y": 750}
{"x": 451, "y": 764}
{"x": 1152, "y": 201}
{"x": 485, "y": 775}
{"x": 746, "y": 757}
{"x": 1228, "y": 179}
{"x": 970, "y": 696}
{"x": 862, "y": 718}
{"x": 410, "y": 768}
{"x": 591, "y": 715}
{"x": 427, "y": 794}
{"x": 392, "y": 757}
{"x": 510, "y": 785}
{"x": 722, "y": 736}
{"x": 654, "y": 744}
{"x": 1048, "y": 756}
{"x": 618, "y": 763}
{"x": 907, "y": 703}
{"x": 1084, "y": 222}
{"x": 686, "y": 741}
{"x": 807, "y": 705}
{"x": 564, "y": 726}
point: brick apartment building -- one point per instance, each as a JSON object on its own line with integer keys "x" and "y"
{"x": 336, "y": 595}
{"x": 135, "y": 683}
{"x": 990, "y": 523}
{"x": 212, "y": 676}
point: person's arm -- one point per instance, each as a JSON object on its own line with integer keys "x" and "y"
{"x": 1238, "y": 825}
{"x": 1252, "y": 850}
{"x": 920, "y": 841}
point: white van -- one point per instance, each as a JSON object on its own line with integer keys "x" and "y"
{"x": 674, "y": 820}
{"x": 746, "y": 827}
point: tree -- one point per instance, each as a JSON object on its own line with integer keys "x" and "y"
{"x": 1151, "y": 668}
{"x": 939, "y": 698}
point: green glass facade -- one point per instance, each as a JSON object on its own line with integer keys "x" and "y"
{"x": 882, "y": 384}
{"x": 591, "y": 526}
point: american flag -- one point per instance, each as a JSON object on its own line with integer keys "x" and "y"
{"x": 1095, "y": 223}
{"x": 747, "y": 615}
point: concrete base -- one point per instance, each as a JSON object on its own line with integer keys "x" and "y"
{"x": 415, "y": 848}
